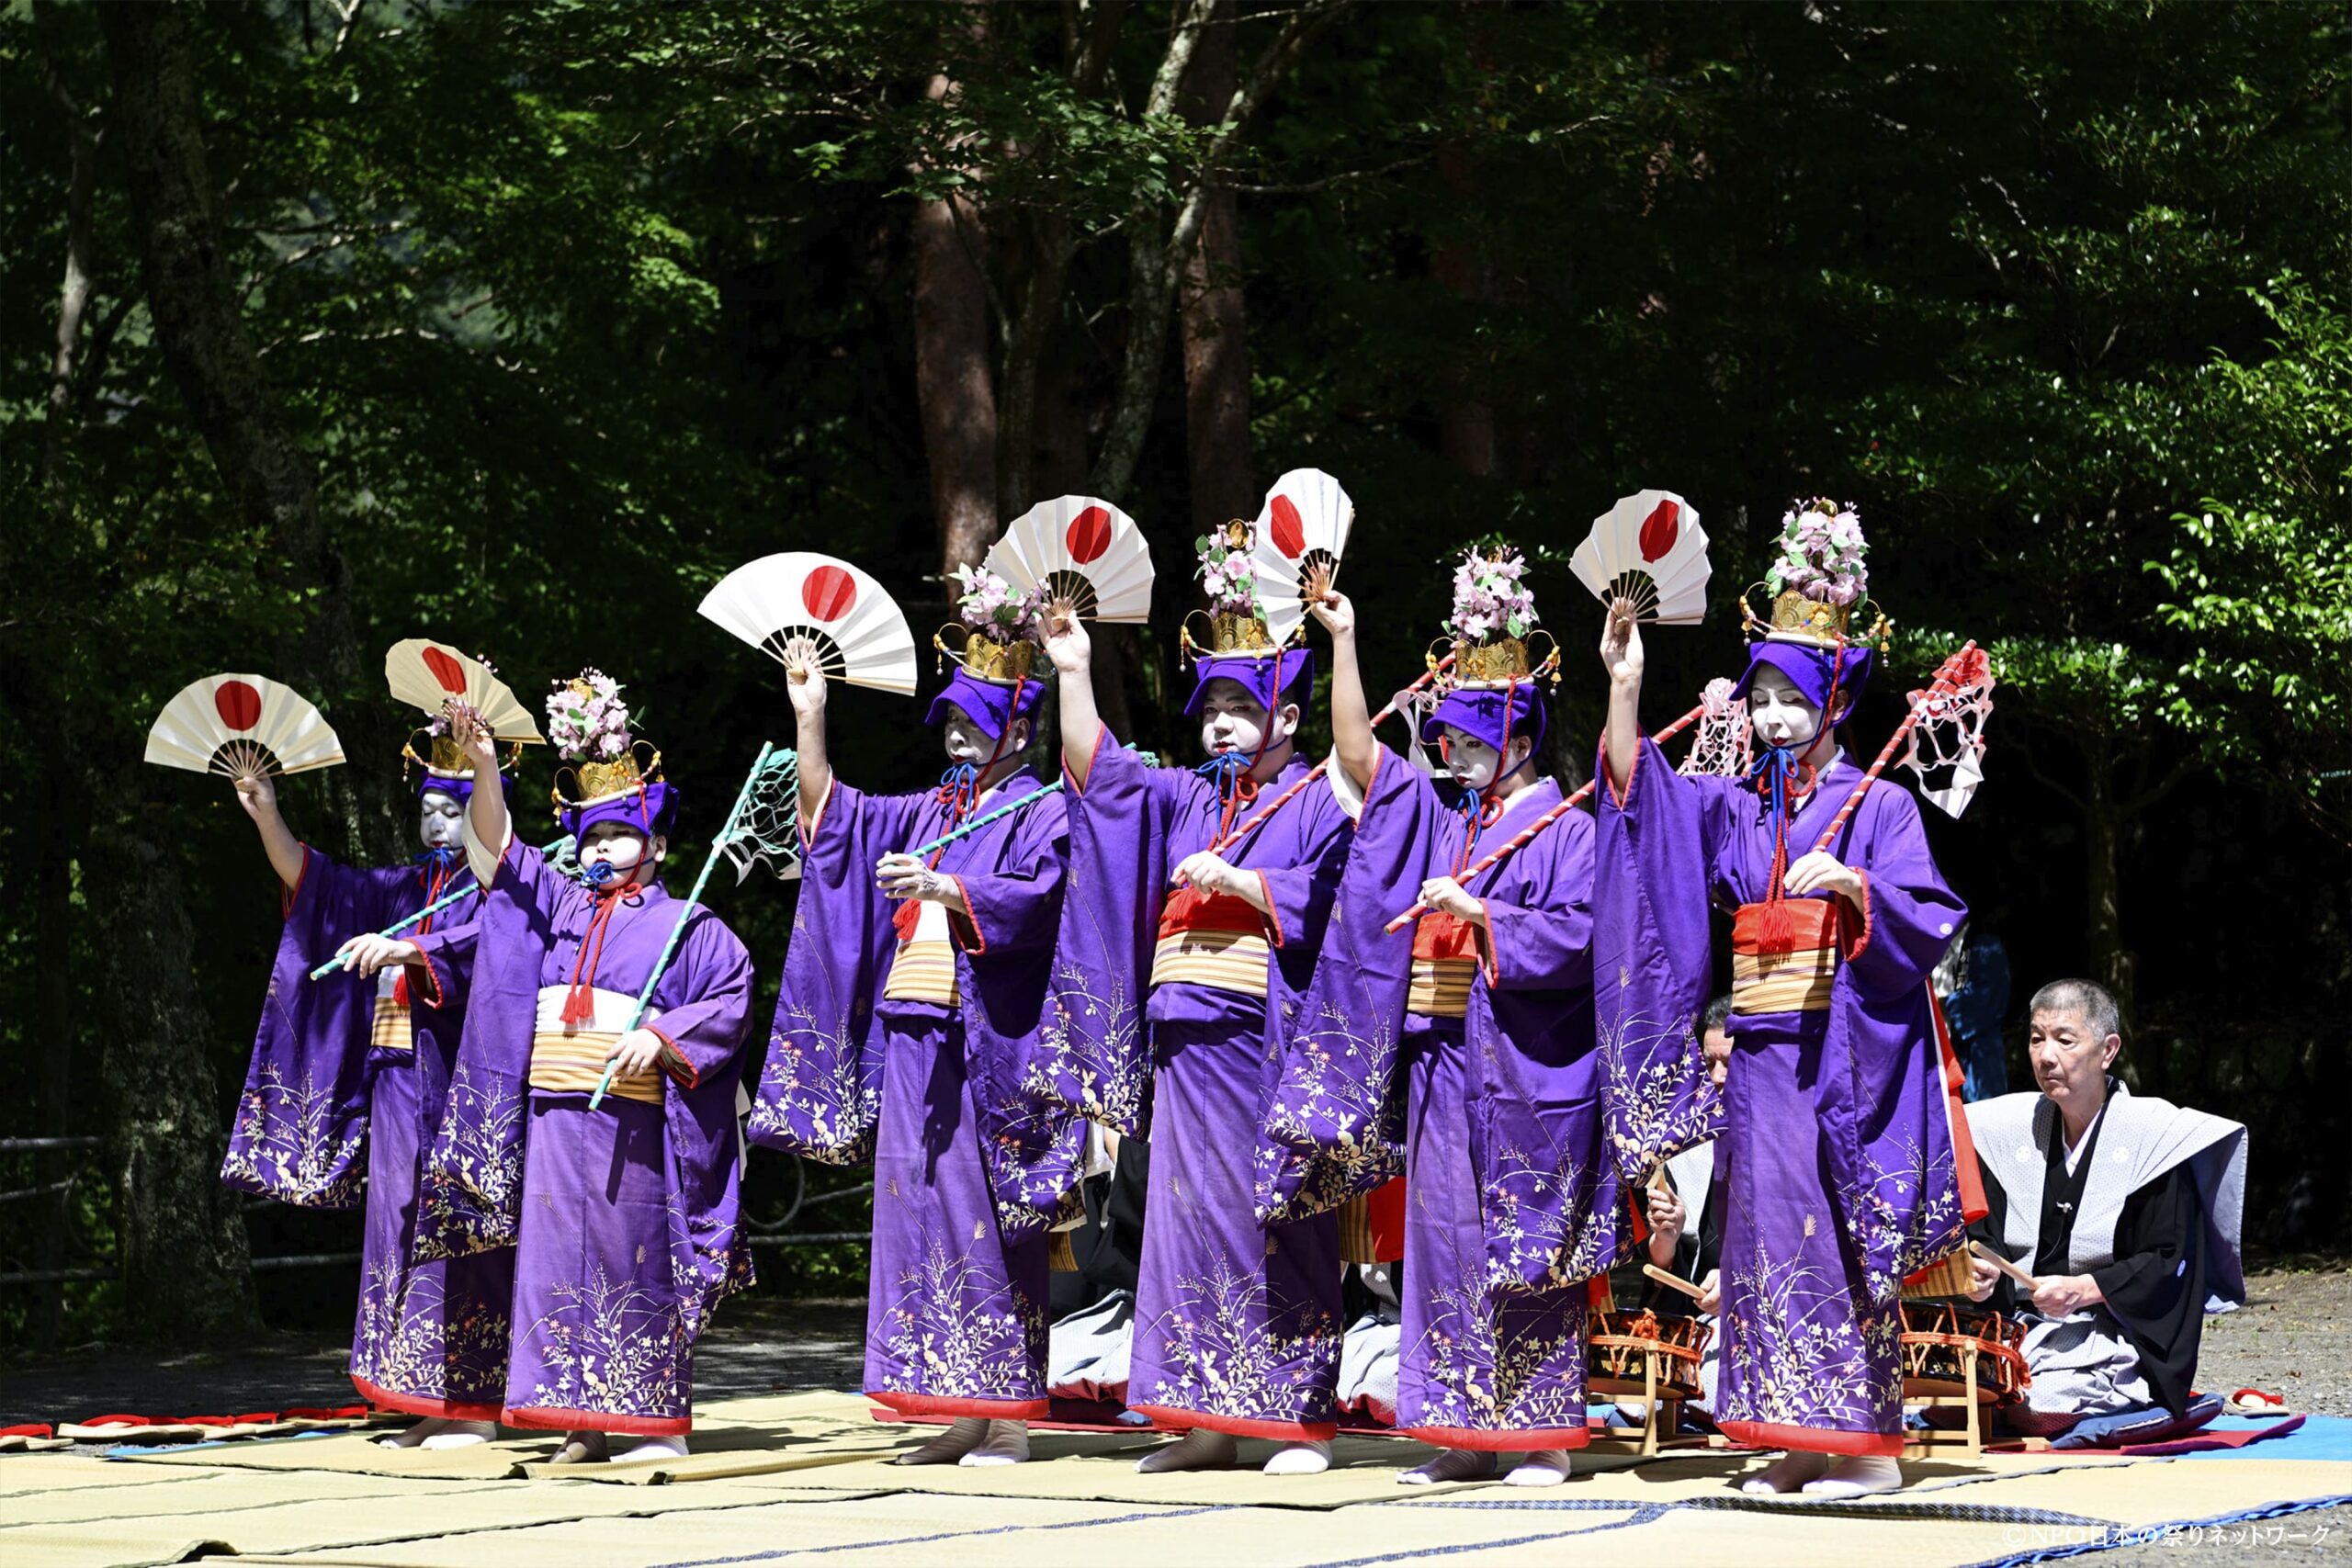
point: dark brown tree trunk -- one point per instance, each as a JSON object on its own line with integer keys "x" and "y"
{"x": 1214, "y": 328}
{"x": 1466, "y": 421}
{"x": 953, "y": 391}
{"x": 271, "y": 480}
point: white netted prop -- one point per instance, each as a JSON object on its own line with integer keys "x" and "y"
{"x": 1720, "y": 746}
{"x": 1945, "y": 750}
{"x": 768, "y": 827}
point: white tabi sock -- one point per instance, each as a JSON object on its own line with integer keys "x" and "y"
{"x": 1007, "y": 1443}
{"x": 414, "y": 1436}
{"x": 1453, "y": 1464}
{"x": 1788, "y": 1473}
{"x": 963, "y": 1434}
{"x": 1300, "y": 1459}
{"x": 1199, "y": 1448}
{"x": 1858, "y": 1475}
{"x": 653, "y": 1447}
{"x": 461, "y": 1434}
{"x": 1542, "y": 1467}
{"x": 579, "y": 1448}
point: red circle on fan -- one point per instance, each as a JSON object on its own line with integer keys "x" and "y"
{"x": 446, "y": 670}
{"x": 1088, "y": 535}
{"x": 829, "y": 593}
{"x": 238, "y": 703}
{"x": 1290, "y": 528}
{"x": 1662, "y": 528}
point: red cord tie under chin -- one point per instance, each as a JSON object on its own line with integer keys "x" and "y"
{"x": 580, "y": 1001}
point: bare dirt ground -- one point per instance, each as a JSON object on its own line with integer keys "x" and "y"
{"x": 2292, "y": 1338}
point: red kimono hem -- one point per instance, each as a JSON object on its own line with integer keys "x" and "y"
{"x": 1481, "y": 1440}
{"x": 1169, "y": 1419}
{"x": 420, "y": 1404}
{"x": 547, "y": 1418}
{"x": 945, "y": 1405}
{"x": 1813, "y": 1439}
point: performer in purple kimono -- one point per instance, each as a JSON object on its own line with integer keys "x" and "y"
{"x": 934, "y": 996}
{"x": 1836, "y": 1152}
{"x": 1216, "y": 884}
{"x": 360, "y": 1059}
{"x": 1511, "y": 1195}
{"x": 624, "y": 1217}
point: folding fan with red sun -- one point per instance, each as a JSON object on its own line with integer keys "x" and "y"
{"x": 427, "y": 674}
{"x": 1079, "y": 548}
{"x": 243, "y": 725}
{"x": 1649, "y": 549}
{"x": 1305, "y": 521}
{"x": 860, "y": 634}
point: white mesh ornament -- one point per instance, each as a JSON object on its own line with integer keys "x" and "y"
{"x": 1720, "y": 745}
{"x": 1945, "y": 749}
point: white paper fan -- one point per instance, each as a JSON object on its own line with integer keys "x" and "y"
{"x": 861, "y": 635}
{"x": 424, "y": 674}
{"x": 1649, "y": 549}
{"x": 1080, "y": 549}
{"x": 243, "y": 725}
{"x": 1307, "y": 514}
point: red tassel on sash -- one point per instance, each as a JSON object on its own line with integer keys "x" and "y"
{"x": 580, "y": 1001}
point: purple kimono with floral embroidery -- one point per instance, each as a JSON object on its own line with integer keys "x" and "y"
{"x": 1836, "y": 1154}
{"x": 624, "y": 1218}
{"x": 956, "y": 1314}
{"x": 342, "y": 1064}
{"x": 1237, "y": 1324}
{"x": 1511, "y": 1198}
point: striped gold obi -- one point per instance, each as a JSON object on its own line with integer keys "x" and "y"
{"x": 1212, "y": 939}
{"x": 1794, "y": 972}
{"x": 924, "y": 969}
{"x": 1445, "y": 960}
{"x": 570, "y": 1058}
{"x": 391, "y": 1028}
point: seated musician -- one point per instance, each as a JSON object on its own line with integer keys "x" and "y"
{"x": 1686, "y": 1211}
{"x": 2125, "y": 1210}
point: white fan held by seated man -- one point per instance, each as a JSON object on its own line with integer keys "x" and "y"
{"x": 244, "y": 727}
{"x": 802, "y": 605}
{"x": 1078, "y": 549}
{"x": 1648, "y": 548}
{"x": 427, "y": 675}
{"x": 1303, "y": 524}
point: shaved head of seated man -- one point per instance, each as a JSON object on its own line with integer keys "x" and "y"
{"x": 2125, "y": 1210}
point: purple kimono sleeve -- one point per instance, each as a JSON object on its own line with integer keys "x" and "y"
{"x": 820, "y": 1088}
{"x": 1650, "y": 963}
{"x": 301, "y": 1131}
{"x": 705, "y": 999}
{"x": 445, "y": 963}
{"x": 1016, "y": 908}
{"x": 1880, "y": 1089}
{"x": 470, "y": 1192}
{"x": 1333, "y": 1124}
{"x": 1091, "y": 1053}
{"x": 1547, "y": 948}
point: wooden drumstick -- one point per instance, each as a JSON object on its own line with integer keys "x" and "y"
{"x": 2003, "y": 1264}
{"x": 1674, "y": 1281}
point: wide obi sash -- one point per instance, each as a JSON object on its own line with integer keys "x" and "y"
{"x": 570, "y": 1058}
{"x": 1445, "y": 961}
{"x": 391, "y": 1028}
{"x": 1784, "y": 954}
{"x": 1212, "y": 939}
{"x": 924, "y": 969}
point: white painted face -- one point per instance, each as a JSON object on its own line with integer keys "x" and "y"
{"x": 1233, "y": 720}
{"x": 440, "y": 820}
{"x": 622, "y": 847}
{"x": 966, "y": 741}
{"x": 1474, "y": 764}
{"x": 1779, "y": 713}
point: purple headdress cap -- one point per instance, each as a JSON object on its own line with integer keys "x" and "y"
{"x": 1812, "y": 670}
{"x": 649, "y": 807}
{"x": 1479, "y": 712}
{"x": 992, "y": 707}
{"x": 460, "y": 785}
{"x": 1255, "y": 674}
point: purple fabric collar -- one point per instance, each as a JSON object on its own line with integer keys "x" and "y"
{"x": 991, "y": 706}
{"x": 1256, "y": 675}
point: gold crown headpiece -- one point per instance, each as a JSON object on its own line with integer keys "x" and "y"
{"x": 984, "y": 658}
{"x": 602, "y": 778}
{"x": 445, "y": 759}
{"x": 1821, "y": 555}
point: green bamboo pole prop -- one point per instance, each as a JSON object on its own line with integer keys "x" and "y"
{"x": 339, "y": 962}
{"x": 670, "y": 948}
